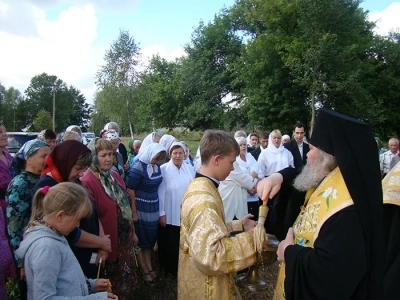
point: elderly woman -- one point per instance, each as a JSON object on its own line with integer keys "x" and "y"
{"x": 66, "y": 163}
{"x": 108, "y": 191}
{"x": 275, "y": 157}
{"x": 134, "y": 147}
{"x": 118, "y": 162}
{"x": 121, "y": 147}
{"x": 28, "y": 163}
{"x": 6, "y": 175}
{"x": 143, "y": 182}
{"x": 285, "y": 139}
{"x": 248, "y": 165}
{"x": 177, "y": 175}
{"x": 235, "y": 188}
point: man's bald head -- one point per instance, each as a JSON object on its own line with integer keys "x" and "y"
{"x": 393, "y": 145}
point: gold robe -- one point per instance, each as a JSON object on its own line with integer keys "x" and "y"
{"x": 326, "y": 200}
{"x": 391, "y": 186}
{"x": 208, "y": 256}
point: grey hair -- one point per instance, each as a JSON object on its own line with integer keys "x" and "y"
{"x": 112, "y": 125}
{"x": 240, "y": 133}
{"x": 241, "y": 139}
{"x": 328, "y": 160}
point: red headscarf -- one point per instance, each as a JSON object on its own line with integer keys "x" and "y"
{"x": 62, "y": 159}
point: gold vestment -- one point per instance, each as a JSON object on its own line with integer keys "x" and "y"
{"x": 208, "y": 256}
{"x": 328, "y": 198}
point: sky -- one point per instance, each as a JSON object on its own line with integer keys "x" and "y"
{"x": 68, "y": 38}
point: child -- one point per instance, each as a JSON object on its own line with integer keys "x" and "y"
{"x": 51, "y": 268}
{"x": 208, "y": 255}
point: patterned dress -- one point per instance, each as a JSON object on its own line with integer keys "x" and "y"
{"x": 19, "y": 207}
{"x": 147, "y": 203}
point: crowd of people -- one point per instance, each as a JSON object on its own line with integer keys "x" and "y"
{"x": 81, "y": 220}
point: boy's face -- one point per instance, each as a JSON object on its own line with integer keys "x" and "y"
{"x": 225, "y": 165}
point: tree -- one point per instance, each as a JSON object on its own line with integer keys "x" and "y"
{"x": 70, "y": 104}
{"x": 117, "y": 78}
{"x": 161, "y": 93}
{"x": 42, "y": 121}
{"x": 8, "y": 105}
{"x": 209, "y": 73}
{"x": 80, "y": 109}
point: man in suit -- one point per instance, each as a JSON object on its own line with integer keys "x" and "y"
{"x": 263, "y": 138}
{"x": 298, "y": 148}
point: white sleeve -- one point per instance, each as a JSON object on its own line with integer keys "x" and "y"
{"x": 262, "y": 163}
{"x": 161, "y": 195}
{"x": 241, "y": 179}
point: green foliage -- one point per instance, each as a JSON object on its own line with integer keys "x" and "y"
{"x": 42, "y": 121}
{"x": 117, "y": 81}
{"x": 13, "y": 290}
{"x": 9, "y": 100}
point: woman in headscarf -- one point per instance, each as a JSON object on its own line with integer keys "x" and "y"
{"x": 28, "y": 163}
{"x": 108, "y": 191}
{"x": 134, "y": 147}
{"x": 121, "y": 147}
{"x": 66, "y": 163}
{"x": 275, "y": 157}
{"x": 177, "y": 175}
{"x": 143, "y": 182}
{"x": 153, "y": 137}
{"x": 118, "y": 162}
{"x": 249, "y": 166}
{"x": 285, "y": 139}
{"x": 6, "y": 174}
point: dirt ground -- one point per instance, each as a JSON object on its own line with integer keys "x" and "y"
{"x": 165, "y": 289}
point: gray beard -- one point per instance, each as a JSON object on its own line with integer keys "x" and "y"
{"x": 310, "y": 177}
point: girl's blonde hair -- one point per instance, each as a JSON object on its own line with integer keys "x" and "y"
{"x": 69, "y": 197}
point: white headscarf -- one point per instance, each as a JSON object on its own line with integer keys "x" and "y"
{"x": 167, "y": 140}
{"x": 276, "y": 155}
{"x": 271, "y": 147}
{"x": 147, "y": 154}
{"x": 149, "y": 139}
{"x": 112, "y": 135}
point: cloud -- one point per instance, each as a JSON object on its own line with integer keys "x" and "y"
{"x": 161, "y": 50}
{"x": 99, "y": 5}
{"x": 387, "y": 20}
{"x": 61, "y": 47}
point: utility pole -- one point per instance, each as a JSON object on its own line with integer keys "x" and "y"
{"x": 54, "y": 107}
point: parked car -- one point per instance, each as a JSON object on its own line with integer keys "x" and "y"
{"x": 87, "y": 137}
{"x": 17, "y": 139}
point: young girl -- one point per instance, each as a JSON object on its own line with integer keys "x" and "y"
{"x": 51, "y": 268}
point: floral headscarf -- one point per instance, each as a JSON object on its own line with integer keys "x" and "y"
{"x": 28, "y": 149}
{"x": 111, "y": 187}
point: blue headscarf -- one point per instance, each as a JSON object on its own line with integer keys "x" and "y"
{"x": 27, "y": 149}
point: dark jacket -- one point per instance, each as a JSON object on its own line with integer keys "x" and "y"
{"x": 299, "y": 162}
{"x": 256, "y": 152}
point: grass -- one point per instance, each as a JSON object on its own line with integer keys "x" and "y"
{"x": 192, "y": 138}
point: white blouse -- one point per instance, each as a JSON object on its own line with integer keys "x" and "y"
{"x": 270, "y": 162}
{"x": 171, "y": 190}
{"x": 248, "y": 166}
